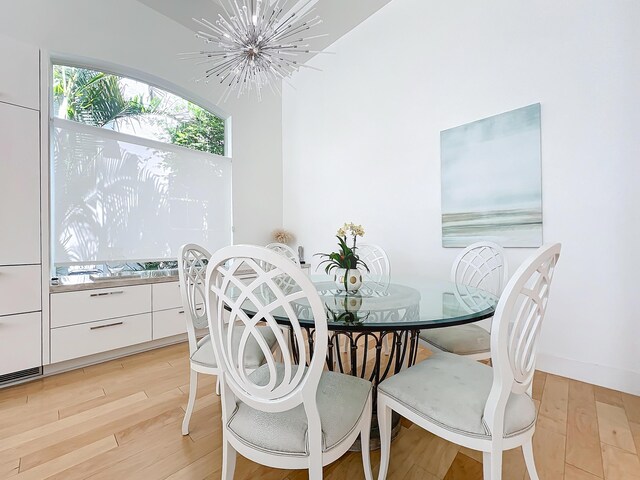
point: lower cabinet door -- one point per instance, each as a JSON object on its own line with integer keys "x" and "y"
{"x": 167, "y": 323}
{"x": 95, "y": 337}
{"x": 20, "y": 342}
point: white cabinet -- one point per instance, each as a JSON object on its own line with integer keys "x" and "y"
{"x": 72, "y": 308}
{"x": 20, "y": 342}
{"x": 20, "y": 196}
{"x": 90, "y": 321}
{"x": 168, "y": 323}
{"x": 21, "y": 84}
{"x": 90, "y": 338}
{"x": 169, "y": 316}
{"x": 20, "y": 289}
{"x": 166, "y": 295}
{"x": 19, "y": 184}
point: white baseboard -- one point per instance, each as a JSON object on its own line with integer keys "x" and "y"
{"x": 616, "y": 379}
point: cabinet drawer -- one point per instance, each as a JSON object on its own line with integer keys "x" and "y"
{"x": 20, "y": 342}
{"x": 167, "y": 323}
{"x": 20, "y": 289}
{"x": 166, "y": 296}
{"x": 72, "y": 308}
{"x": 90, "y": 338}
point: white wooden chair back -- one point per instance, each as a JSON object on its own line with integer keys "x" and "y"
{"x": 192, "y": 268}
{"x": 516, "y": 328}
{"x": 286, "y": 251}
{"x": 263, "y": 295}
{"x": 474, "y": 300}
{"x": 377, "y": 260}
{"x": 482, "y": 265}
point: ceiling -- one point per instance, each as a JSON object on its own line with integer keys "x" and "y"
{"x": 338, "y": 16}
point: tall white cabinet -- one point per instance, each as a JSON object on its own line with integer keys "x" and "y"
{"x": 20, "y": 215}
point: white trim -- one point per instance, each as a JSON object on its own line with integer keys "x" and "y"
{"x": 602, "y": 375}
{"x": 45, "y": 213}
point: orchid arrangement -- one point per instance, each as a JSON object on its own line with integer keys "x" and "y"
{"x": 346, "y": 257}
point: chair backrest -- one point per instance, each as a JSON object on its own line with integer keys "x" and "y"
{"x": 482, "y": 265}
{"x": 192, "y": 268}
{"x": 516, "y": 328}
{"x": 377, "y": 260}
{"x": 257, "y": 300}
{"x": 285, "y": 250}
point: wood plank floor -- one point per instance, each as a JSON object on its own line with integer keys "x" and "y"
{"x": 121, "y": 420}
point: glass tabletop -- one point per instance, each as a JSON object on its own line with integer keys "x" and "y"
{"x": 395, "y": 303}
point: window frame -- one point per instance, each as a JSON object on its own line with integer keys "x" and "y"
{"x": 48, "y": 61}
{"x": 149, "y": 79}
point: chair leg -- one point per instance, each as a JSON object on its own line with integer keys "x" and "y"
{"x": 365, "y": 433}
{"x": 492, "y": 465}
{"x": 228, "y": 460}
{"x": 527, "y": 451}
{"x": 315, "y": 467}
{"x": 384, "y": 424}
{"x": 193, "y": 388}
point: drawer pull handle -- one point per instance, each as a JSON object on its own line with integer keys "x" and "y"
{"x": 105, "y": 326}
{"x": 103, "y": 294}
{"x": 182, "y": 311}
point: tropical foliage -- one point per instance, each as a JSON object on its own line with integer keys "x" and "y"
{"x": 96, "y": 98}
{"x": 104, "y": 100}
{"x": 202, "y": 131}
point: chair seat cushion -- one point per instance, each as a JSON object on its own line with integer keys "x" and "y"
{"x": 205, "y": 357}
{"x": 466, "y": 339}
{"x": 341, "y": 401}
{"x": 451, "y": 391}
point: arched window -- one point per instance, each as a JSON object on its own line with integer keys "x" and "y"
{"x": 136, "y": 172}
{"x": 136, "y": 108}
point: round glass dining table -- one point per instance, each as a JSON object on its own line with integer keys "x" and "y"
{"x": 393, "y": 311}
{"x": 374, "y": 332}
{"x": 380, "y": 324}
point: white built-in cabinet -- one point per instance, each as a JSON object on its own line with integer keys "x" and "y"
{"x": 21, "y": 83}
{"x": 89, "y": 322}
{"x": 20, "y": 233}
{"x": 20, "y": 181}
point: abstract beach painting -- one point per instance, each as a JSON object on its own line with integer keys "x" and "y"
{"x": 492, "y": 181}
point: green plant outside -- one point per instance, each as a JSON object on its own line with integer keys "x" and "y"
{"x": 99, "y": 99}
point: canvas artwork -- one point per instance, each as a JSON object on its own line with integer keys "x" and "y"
{"x": 492, "y": 181}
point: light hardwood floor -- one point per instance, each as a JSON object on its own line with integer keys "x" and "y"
{"x": 121, "y": 420}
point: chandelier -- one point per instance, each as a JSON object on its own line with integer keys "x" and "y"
{"x": 255, "y": 44}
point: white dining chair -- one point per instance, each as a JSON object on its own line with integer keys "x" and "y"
{"x": 481, "y": 265}
{"x": 378, "y": 276}
{"x": 192, "y": 266}
{"x": 472, "y": 404}
{"x": 377, "y": 260}
{"x": 283, "y": 415}
{"x": 285, "y": 250}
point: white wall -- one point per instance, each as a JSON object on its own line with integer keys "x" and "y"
{"x": 127, "y": 34}
{"x": 361, "y": 143}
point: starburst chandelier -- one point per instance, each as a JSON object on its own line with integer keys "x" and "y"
{"x": 255, "y": 44}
